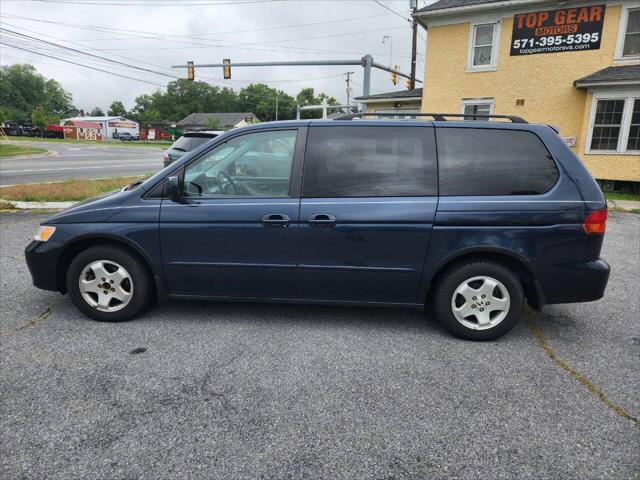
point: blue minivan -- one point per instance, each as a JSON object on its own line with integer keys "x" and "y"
{"x": 465, "y": 218}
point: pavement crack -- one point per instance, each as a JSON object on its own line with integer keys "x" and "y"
{"x": 35, "y": 320}
{"x": 206, "y": 384}
{"x": 595, "y": 391}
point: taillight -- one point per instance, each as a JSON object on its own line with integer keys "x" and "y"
{"x": 595, "y": 223}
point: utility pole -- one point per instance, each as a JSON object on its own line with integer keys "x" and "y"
{"x": 276, "y": 105}
{"x": 367, "y": 63}
{"x": 414, "y": 43}
{"x": 348, "y": 80}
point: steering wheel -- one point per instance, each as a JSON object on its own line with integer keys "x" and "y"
{"x": 227, "y": 185}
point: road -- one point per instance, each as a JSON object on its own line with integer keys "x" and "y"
{"x": 78, "y": 161}
{"x": 227, "y": 391}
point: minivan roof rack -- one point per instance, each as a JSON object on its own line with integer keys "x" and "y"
{"x": 441, "y": 117}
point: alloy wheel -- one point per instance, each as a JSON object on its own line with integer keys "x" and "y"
{"x": 106, "y": 286}
{"x": 480, "y": 303}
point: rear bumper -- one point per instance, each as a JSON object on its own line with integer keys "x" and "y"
{"x": 42, "y": 260}
{"x": 574, "y": 282}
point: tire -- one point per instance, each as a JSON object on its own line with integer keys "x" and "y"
{"x": 461, "y": 308}
{"x": 125, "y": 291}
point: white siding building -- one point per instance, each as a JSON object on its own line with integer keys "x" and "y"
{"x": 111, "y": 126}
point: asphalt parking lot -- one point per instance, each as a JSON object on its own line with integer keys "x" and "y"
{"x": 270, "y": 391}
{"x": 69, "y": 160}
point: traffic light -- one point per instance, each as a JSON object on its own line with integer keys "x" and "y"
{"x": 407, "y": 84}
{"x": 394, "y": 75}
{"x": 226, "y": 70}
{"x": 191, "y": 72}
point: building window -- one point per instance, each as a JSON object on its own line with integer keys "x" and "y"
{"x": 615, "y": 124}
{"x": 483, "y": 46}
{"x": 482, "y": 106}
{"x": 628, "y": 45}
{"x": 606, "y": 125}
{"x": 633, "y": 142}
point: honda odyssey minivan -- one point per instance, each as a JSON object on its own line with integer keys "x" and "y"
{"x": 468, "y": 219}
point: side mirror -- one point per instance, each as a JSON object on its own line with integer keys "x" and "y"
{"x": 172, "y": 188}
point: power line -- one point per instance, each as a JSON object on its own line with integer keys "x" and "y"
{"x": 392, "y": 10}
{"x": 82, "y": 46}
{"x": 213, "y": 42}
{"x": 170, "y": 3}
{"x": 88, "y": 54}
{"x": 81, "y": 65}
{"x": 200, "y": 35}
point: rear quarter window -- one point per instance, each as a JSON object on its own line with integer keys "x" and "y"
{"x": 475, "y": 161}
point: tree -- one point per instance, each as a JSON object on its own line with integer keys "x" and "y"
{"x": 22, "y": 90}
{"x": 213, "y": 124}
{"x": 148, "y": 116}
{"x": 116, "y": 109}
{"x": 41, "y": 118}
{"x": 183, "y": 98}
{"x": 96, "y": 112}
{"x": 307, "y": 97}
{"x": 260, "y": 100}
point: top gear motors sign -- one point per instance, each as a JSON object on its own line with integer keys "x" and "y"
{"x": 551, "y": 31}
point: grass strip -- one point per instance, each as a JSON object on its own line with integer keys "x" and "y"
{"x": 9, "y": 150}
{"x": 109, "y": 142}
{"x": 621, "y": 196}
{"x": 68, "y": 191}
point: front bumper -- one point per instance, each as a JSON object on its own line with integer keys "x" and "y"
{"x": 42, "y": 260}
{"x": 574, "y": 282}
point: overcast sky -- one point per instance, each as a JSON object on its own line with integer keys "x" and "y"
{"x": 158, "y": 34}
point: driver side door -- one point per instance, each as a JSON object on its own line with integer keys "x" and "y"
{"x": 234, "y": 231}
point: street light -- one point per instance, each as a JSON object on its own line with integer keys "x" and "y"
{"x": 389, "y": 38}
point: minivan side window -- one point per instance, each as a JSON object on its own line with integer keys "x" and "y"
{"x": 370, "y": 161}
{"x": 475, "y": 161}
{"x": 255, "y": 164}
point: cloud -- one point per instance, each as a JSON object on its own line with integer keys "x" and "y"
{"x": 156, "y": 36}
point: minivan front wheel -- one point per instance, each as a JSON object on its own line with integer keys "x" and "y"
{"x": 481, "y": 300}
{"x": 108, "y": 283}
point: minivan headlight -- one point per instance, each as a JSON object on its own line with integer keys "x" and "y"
{"x": 44, "y": 233}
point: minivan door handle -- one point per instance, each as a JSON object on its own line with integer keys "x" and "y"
{"x": 322, "y": 220}
{"x": 275, "y": 220}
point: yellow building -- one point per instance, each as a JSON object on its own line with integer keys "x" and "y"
{"x": 571, "y": 64}
{"x": 402, "y": 102}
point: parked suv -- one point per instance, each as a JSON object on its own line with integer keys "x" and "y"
{"x": 187, "y": 142}
{"x": 352, "y": 211}
{"x": 128, "y": 137}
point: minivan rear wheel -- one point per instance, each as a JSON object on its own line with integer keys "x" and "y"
{"x": 481, "y": 300}
{"x": 108, "y": 283}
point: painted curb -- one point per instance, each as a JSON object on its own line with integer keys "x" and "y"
{"x": 39, "y": 205}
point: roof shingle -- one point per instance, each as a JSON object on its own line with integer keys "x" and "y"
{"x": 416, "y": 92}
{"x": 622, "y": 73}
{"x": 444, "y": 4}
